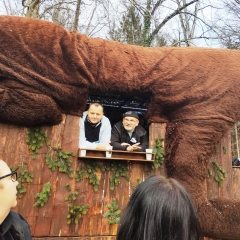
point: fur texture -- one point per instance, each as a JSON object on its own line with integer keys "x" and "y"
{"x": 46, "y": 71}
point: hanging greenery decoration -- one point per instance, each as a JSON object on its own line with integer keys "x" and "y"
{"x": 55, "y": 158}
{"x": 159, "y": 153}
{"x": 138, "y": 182}
{"x": 60, "y": 160}
{"x": 75, "y": 212}
{"x": 35, "y": 139}
{"x": 80, "y": 173}
{"x": 68, "y": 187}
{"x": 43, "y": 195}
{"x": 23, "y": 177}
{"x": 220, "y": 174}
{"x": 71, "y": 196}
{"x": 114, "y": 214}
{"x": 118, "y": 169}
{"x": 89, "y": 170}
{"x": 209, "y": 172}
{"x": 224, "y": 150}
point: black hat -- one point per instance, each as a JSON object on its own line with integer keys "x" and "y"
{"x": 130, "y": 114}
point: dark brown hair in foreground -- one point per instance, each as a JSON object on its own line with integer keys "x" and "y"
{"x": 159, "y": 209}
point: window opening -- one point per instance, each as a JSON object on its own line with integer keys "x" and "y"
{"x": 115, "y": 105}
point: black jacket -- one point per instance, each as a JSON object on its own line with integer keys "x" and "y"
{"x": 14, "y": 227}
{"x": 120, "y": 135}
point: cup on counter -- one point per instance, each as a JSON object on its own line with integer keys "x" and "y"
{"x": 108, "y": 153}
{"x": 149, "y": 156}
{"x": 83, "y": 151}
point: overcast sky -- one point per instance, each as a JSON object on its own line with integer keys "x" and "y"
{"x": 114, "y": 7}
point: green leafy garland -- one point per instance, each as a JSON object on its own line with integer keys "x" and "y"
{"x": 71, "y": 196}
{"x": 23, "y": 177}
{"x": 113, "y": 214}
{"x": 43, "y": 195}
{"x": 89, "y": 170}
{"x": 159, "y": 153}
{"x": 138, "y": 182}
{"x": 60, "y": 161}
{"x": 55, "y": 158}
{"x": 75, "y": 211}
{"x": 68, "y": 186}
{"x": 35, "y": 139}
{"x": 220, "y": 174}
{"x": 119, "y": 169}
{"x": 224, "y": 150}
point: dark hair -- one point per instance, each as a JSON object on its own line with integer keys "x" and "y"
{"x": 159, "y": 209}
{"x": 96, "y": 104}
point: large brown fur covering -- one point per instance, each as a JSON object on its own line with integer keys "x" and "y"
{"x": 46, "y": 71}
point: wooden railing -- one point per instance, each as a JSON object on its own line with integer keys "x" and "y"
{"x": 116, "y": 155}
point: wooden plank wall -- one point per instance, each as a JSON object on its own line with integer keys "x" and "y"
{"x": 231, "y": 184}
{"x": 50, "y": 222}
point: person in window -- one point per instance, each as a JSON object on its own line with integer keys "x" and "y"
{"x": 128, "y": 135}
{"x": 12, "y": 225}
{"x": 95, "y": 128}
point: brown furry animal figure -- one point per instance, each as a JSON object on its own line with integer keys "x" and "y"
{"x": 46, "y": 71}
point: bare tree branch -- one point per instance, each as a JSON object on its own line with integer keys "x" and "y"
{"x": 176, "y": 12}
{"x": 77, "y": 14}
{"x": 91, "y": 18}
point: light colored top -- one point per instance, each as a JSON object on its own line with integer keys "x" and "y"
{"x": 104, "y": 134}
{"x": 130, "y": 133}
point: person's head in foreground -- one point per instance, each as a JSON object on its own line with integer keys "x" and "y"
{"x": 8, "y": 190}
{"x": 159, "y": 209}
{"x": 12, "y": 225}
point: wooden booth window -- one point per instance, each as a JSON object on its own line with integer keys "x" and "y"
{"x": 115, "y": 105}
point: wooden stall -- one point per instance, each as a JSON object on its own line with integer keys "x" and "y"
{"x": 50, "y": 221}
